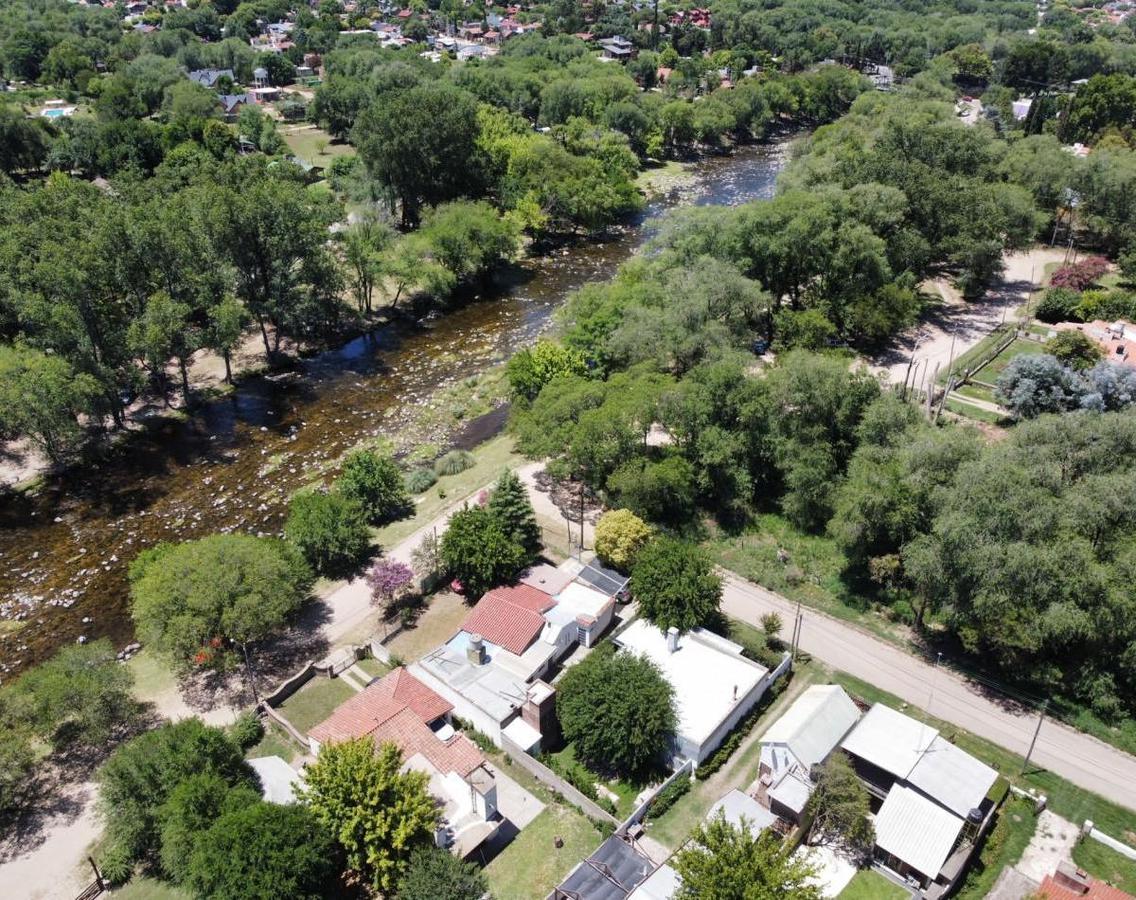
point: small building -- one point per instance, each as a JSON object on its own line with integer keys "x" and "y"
{"x": 232, "y": 104}
{"x": 400, "y": 709}
{"x": 617, "y": 870}
{"x": 264, "y": 94}
{"x": 208, "y": 78}
{"x": 260, "y": 77}
{"x": 714, "y": 684}
{"x": 802, "y": 738}
{"x": 617, "y": 47}
{"x": 933, "y": 801}
{"x": 278, "y": 780}
{"x": 1021, "y": 108}
{"x": 740, "y": 810}
{"x": 1071, "y": 883}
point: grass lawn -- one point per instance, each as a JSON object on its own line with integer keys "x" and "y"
{"x": 531, "y": 866}
{"x": 315, "y": 701}
{"x": 979, "y": 351}
{"x": 274, "y": 743}
{"x": 869, "y": 885}
{"x": 149, "y": 889}
{"x": 811, "y": 576}
{"x": 966, "y": 410}
{"x": 1003, "y": 847}
{"x": 625, "y": 791}
{"x": 440, "y": 621}
{"x": 990, "y": 372}
{"x": 1065, "y": 799}
{"x": 493, "y": 457}
{"x": 372, "y": 666}
{"x": 308, "y": 144}
{"x": 1106, "y": 864}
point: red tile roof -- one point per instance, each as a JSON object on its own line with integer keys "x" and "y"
{"x": 526, "y": 596}
{"x": 1052, "y": 889}
{"x": 412, "y": 735}
{"x": 371, "y": 707}
{"x": 503, "y": 622}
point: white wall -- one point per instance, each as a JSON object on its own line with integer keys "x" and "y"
{"x": 463, "y": 708}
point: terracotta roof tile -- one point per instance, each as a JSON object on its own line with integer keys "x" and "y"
{"x": 409, "y": 733}
{"x": 371, "y": 707}
{"x": 504, "y": 623}
{"x": 1052, "y": 889}
{"x": 525, "y": 596}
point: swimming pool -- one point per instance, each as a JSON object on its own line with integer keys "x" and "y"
{"x": 57, "y": 112}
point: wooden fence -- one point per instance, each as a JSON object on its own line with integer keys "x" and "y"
{"x": 96, "y": 887}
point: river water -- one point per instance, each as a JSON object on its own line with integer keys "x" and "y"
{"x": 65, "y": 550}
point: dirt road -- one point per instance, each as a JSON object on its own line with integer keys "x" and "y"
{"x": 958, "y": 325}
{"x": 1083, "y": 760}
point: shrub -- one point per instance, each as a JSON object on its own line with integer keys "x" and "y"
{"x": 454, "y": 463}
{"x": 1082, "y": 275}
{"x": 330, "y": 530}
{"x": 1059, "y": 305}
{"x": 375, "y": 483}
{"x": 247, "y": 730}
{"x": 668, "y": 797}
{"x": 421, "y": 480}
{"x": 1075, "y": 349}
{"x": 620, "y": 535}
{"x": 116, "y": 864}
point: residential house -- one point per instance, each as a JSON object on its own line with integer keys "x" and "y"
{"x": 208, "y": 78}
{"x": 260, "y": 77}
{"x": 491, "y": 669}
{"x": 617, "y": 47}
{"x": 801, "y": 739}
{"x": 617, "y": 870}
{"x": 740, "y": 810}
{"x": 232, "y": 104}
{"x": 1117, "y": 340}
{"x": 1071, "y": 883}
{"x": 933, "y": 801}
{"x": 400, "y": 709}
{"x": 714, "y": 684}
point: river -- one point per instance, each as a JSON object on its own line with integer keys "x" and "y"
{"x": 64, "y": 551}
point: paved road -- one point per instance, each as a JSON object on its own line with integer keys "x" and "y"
{"x": 1083, "y": 760}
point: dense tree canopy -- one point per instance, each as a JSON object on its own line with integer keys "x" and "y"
{"x": 201, "y": 602}
{"x": 376, "y": 813}
{"x": 479, "y": 552}
{"x": 675, "y": 584}
{"x": 618, "y": 711}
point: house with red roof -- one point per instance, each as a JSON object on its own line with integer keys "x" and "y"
{"x": 492, "y": 668}
{"x": 398, "y": 708}
{"x": 1071, "y": 883}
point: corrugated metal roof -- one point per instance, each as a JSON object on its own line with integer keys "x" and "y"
{"x": 916, "y": 830}
{"x": 890, "y": 740}
{"x": 815, "y": 723}
{"x": 952, "y": 777}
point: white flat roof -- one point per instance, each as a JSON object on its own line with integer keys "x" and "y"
{"x": 522, "y": 734}
{"x": 705, "y": 676}
{"x": 736, "y": 806}
{"x": 791, "y": 792}
{"x": 890, "y": 740}
{"x": 662, "y": 884}
{"x": 815, "y": 723}
{"x": 953, "y": 777}
{"x": 916, "y": 830}
{"x": 278, "y": 780}
{"x": 582, "y": 600}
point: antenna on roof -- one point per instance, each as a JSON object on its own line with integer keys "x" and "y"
{"x": 930, "y": 700}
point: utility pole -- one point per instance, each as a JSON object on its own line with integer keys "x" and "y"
{"x": 251, "y": 674}
{"x": 1036, "y": 732}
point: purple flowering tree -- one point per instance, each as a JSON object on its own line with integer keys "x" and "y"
{"x": 388, "y": 579}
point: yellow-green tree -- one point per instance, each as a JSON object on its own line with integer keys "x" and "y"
{"x": 377, "y": 813}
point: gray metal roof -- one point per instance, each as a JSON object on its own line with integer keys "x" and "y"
{"x": 814, "y": 724}
{"x": 737, "y": 806}
{"x": 890, "y": 740}
{"x": 612, "y": 872}
{"x": 917, "y": 830}
{"x": 952, "y": 777}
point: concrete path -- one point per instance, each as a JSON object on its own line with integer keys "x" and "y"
{"x": 1083, "y": 760}
{"x": 958, "y": 325}
{"x": 1052, "y": 843}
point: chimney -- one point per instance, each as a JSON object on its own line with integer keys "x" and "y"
{"x": 476, "y": 649}
{"x": 672, "y": 639}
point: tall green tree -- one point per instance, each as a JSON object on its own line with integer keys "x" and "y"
{"x": 41, "y": 397}
{"x": 377, "y": 813}
{"x": 840, "y": 808}
{"x": 204, "y": 602}
{"x": 618, "y": 711}
{"x": 675, "y": 584}
{"x": 421, "y": 143}
{"x": 265, "y": 851}
{"x": 330, "y": 530}
{"x": 731, "y": 863}
{"x": 139, "y": 777}
{"x": 434, "y": 874}
{"x": 373, "y": 480}
{"x": 509, "y": 503}
{"x": 478, "y": 552}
